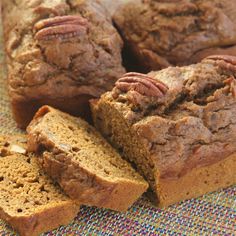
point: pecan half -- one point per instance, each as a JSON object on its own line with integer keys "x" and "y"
{"x": 143, "y": 84}
{"x": 225, "y": 62}
{"x": 60, "y": 27}
{"x": 232, "y": 85}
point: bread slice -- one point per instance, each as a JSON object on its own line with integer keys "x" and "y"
{"x": 29, "y": 200}
{"x": 88, "y": 169}
{"x": 176, "y": 125}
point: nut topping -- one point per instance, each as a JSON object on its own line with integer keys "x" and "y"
{"x": 143, "y": 84}
{"x": 17, "y": 149}
{"x": 225, "y": 62}
{"x": 232, "y": 85}
{"x": 60, "y": 27}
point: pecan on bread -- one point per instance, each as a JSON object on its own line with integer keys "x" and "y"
{"x": 225, "y": 62}
{"x": 59, "y": 53}
{"x": 142, "y": 84}
{"x": 60, "y": 27}
{"x": 184, "y": 142}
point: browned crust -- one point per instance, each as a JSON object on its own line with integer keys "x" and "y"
{"x": 24, "y": 111}
{"x": 197, "y": 182}
{"x": 26, "y": 98}
{"x": 146, "y": 45}
{"x": 194, "y": 183}
{"x": 46, "y": 219}
{"x": 87, "y": 188}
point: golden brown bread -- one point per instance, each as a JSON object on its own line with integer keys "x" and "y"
{"x": 164, "y": 33}
{"x": 30, "y": 202}
{"x": 177, "y": 125}
{"x": 87, "y": 168}
{"x": 198, "y": 181}
{"x": 59, "y": 53}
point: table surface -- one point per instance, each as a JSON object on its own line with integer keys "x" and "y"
{"x": 212, "y": 214}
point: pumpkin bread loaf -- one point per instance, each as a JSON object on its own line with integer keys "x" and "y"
{"x": 29, "y": 199}
{"x": 59, "y": 53}
{"x": 87, "y": 168}
{"x": 177, "y": 125}
{"x": 161, "y": 33}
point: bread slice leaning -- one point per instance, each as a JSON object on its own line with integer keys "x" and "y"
{"x": 88, "y": 169}
{"x": 29, "y": 200}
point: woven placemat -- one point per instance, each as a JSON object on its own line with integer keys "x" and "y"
{"x": 212, "y": 214}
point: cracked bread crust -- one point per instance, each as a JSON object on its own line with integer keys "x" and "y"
{"x": 30, "y": 201}
{"x": 69, "y": 67}
{"x": 165, "y": 33}
{"x": 192, "y": 126}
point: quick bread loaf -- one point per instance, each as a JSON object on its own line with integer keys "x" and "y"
{"x": 29, "y": 201}
{"x": 161, "y": 33}
{"x": 176, "y": 125}
{"x": 59, "y": 53}
{"x": 87, "y": 168}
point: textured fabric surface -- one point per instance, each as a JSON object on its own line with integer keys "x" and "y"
{"x": 212, "y": 214}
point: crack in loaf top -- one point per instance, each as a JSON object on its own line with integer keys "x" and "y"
{"x": 59, "y": 49}
{"x": 164, "y": 33}
{"x": 197, "y": 83}
{"x": 192, "y": 125}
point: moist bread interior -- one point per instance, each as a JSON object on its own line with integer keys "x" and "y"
{"x": 24, "y": 188}
{"x": 82, "y": 145}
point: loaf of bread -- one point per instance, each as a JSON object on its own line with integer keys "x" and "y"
{"x": 162, "y": 33}
{"x": 29, "y": 200}
{"x": 59, "y": 53}
{"x": 87, "y": 168}
{"x": 177, "y": 125}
